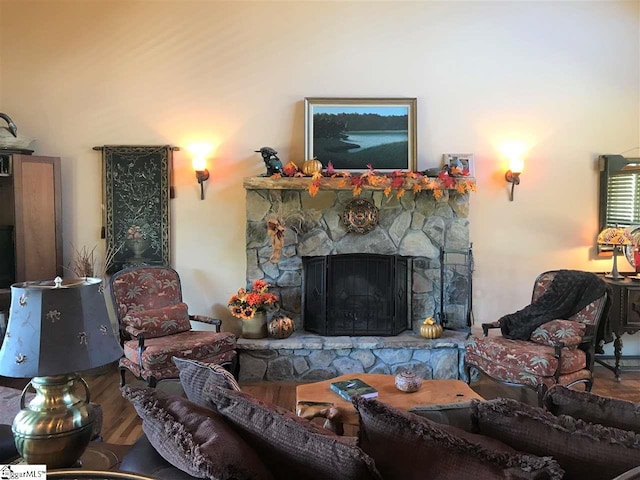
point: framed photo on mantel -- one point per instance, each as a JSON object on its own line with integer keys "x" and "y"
{"x": 352, "y": 133}
{"x": 465, "y": 158}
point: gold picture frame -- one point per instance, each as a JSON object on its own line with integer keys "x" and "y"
{"x": 352, "y": 133}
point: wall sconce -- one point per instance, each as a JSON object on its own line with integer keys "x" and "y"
{"x": 513, "y": 176}
{"x": 514, "y": 152}
{"x": 200, "y": 152}
{"x": 202, "y": 174}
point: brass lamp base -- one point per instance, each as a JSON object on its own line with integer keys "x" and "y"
{"x": 55, "y": 427}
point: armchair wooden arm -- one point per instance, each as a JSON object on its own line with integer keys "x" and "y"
{"x": 487, "y": 326}
{"x": 141, "y": 348}
{"x": 557, "y": 352}
{"x": 216, "y": 322}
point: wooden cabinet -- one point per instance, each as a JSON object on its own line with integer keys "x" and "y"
{"x": 31, "y": 206}
{"x": 624, "y": 315}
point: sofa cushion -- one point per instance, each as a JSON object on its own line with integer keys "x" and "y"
{"x": 406, "y": 446}
{"x": 292, "y": 447}
{"x": 193, "y": 438}
{"x": 582, "y": 449}
{"x": 568, "y": 332}
{"x": 610, "y": 412}
{"x": 158, "y": 322}
{"x": 195, "y": 376}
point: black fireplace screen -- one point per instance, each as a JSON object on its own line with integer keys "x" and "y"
{"x": 356, "y": 294}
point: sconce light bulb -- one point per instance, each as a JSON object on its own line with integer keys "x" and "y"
{"x": 516, "y": 164}
{"x": 199, "y": 163}
{"x": 514, "y": 152}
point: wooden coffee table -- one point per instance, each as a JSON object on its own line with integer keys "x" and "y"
{"x": 318, "y": 400}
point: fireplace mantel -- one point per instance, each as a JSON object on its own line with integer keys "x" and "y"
{"x": 302, "y": 183}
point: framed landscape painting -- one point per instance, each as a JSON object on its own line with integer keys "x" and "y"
{"x": 352, "y": 133}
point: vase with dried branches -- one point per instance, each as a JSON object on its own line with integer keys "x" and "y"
{"x": 85, "y": 261}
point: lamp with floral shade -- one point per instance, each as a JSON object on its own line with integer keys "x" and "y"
{"x": 616, "y": 237}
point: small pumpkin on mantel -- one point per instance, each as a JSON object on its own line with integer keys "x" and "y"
{"x": 309, "y": 167}
{"x": 430, "y": 329}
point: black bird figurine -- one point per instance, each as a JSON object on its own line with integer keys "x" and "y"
{"x": 12, "y": 126}
{"x": 9, "y": 138}
{"x": 271, "y": 161}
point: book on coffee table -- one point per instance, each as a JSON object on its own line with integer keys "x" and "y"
{"x": 352, "y": 387}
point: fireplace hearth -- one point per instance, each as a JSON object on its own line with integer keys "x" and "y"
{"x": 355, "y": 294}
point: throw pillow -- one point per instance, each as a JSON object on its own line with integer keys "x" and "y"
{"x": 159, "y": 322}
{"x": 406, "y": 447}
{"x": 592, "y": 408}
{"x": 566, "y": 331}
{"x": 290, "y": 446}
{"x": 193, "y": 438}
{"x": 583, "y": 450}
{"x": 195, "y": 376}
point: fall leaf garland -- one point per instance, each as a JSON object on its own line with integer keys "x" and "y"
{"x": 398, "y": 180}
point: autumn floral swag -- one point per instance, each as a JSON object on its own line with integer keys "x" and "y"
{"x": 398, "y": 180}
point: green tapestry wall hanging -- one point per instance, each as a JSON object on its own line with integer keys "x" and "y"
{"x": 137, "y": 185}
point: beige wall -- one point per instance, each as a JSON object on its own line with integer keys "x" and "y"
{"x": 561, "y": 76}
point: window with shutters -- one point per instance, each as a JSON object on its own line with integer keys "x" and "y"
{"x": 623, "y": 202}
{"x": 619, "y": 192}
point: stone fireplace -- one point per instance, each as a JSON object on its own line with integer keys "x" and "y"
{"x": 424, "y": 233}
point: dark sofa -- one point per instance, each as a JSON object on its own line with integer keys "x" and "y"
{"x": 499, "y": 439}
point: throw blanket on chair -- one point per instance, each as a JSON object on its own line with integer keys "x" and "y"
{"x": 569, "y": 292}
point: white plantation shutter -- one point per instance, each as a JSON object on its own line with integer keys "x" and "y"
{"x": 623, "y": 202}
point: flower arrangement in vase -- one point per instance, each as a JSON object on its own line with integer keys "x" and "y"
{"x": 251, "y": 306}
{"x": 246, "y": 303}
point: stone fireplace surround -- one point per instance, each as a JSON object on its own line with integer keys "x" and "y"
{"x": 416, "y": 226}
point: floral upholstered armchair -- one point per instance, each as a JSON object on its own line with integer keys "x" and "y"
{"x": 561, "y": 351}
{"x": 155, "y": 326}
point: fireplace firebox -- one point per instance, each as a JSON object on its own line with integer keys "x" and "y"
{"x": 356, "y": 294}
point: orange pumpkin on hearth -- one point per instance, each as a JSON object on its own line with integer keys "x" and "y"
{"x": 280, "y": 326}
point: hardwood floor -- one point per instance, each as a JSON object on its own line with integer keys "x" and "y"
{"x": 121, "y": 424}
